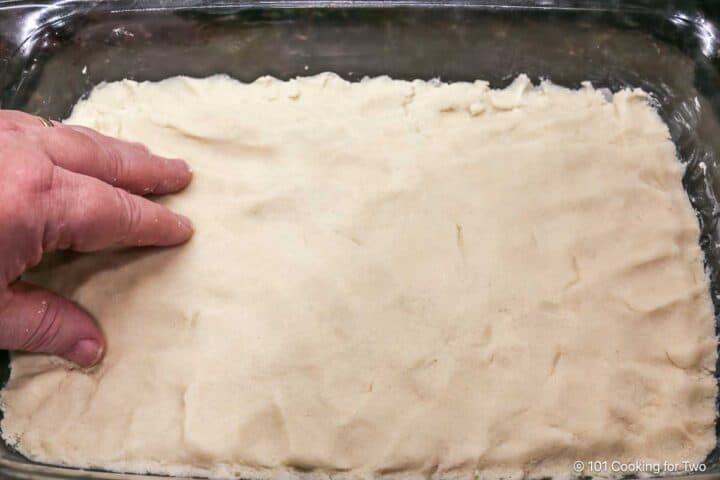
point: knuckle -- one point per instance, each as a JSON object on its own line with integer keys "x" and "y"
{"x": 131, "y": 213}
{"x": 30, "y": 172}
{"x": 36, "y": 178}
{"x": 115, "y": 167}
{"x": 115, "y": 164}
{"x": 11, "y": 123}
{"x": 23, "y": 208}
{"x": 9, "y": 127}
{"x": 141, "y": 150}
{"x": 46, "y": 327}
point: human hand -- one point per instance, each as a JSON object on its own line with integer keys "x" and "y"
{"x": 68, "y": 187}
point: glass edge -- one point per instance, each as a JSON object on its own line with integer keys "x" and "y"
{"x": 23, "y": 20}
{"x": 116, "y": 6}
{"x": 25, "y": 469}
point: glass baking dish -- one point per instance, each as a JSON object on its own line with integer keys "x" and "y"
{"x": 51, "y": 54}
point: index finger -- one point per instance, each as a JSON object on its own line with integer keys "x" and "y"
{"x": 126, "y": 165}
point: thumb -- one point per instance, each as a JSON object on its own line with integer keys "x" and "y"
{"x": 36, "y": 320}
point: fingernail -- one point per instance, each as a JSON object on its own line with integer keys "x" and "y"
{"x": 85, "y": 353}
{"x": 185, "y": 221}
{"x": 182, "y": 163}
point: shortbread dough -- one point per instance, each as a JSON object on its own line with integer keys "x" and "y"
{"x": 388, "y": 278}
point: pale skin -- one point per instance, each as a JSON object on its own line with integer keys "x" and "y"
{"x": 67, "y": 187}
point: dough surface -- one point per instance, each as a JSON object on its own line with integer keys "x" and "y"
{"x": 388, "y": 278}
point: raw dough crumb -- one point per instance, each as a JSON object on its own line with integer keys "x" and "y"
{"x": 388, "y": 278}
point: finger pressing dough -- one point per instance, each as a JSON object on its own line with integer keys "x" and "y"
{"x": 388, "y": 278}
